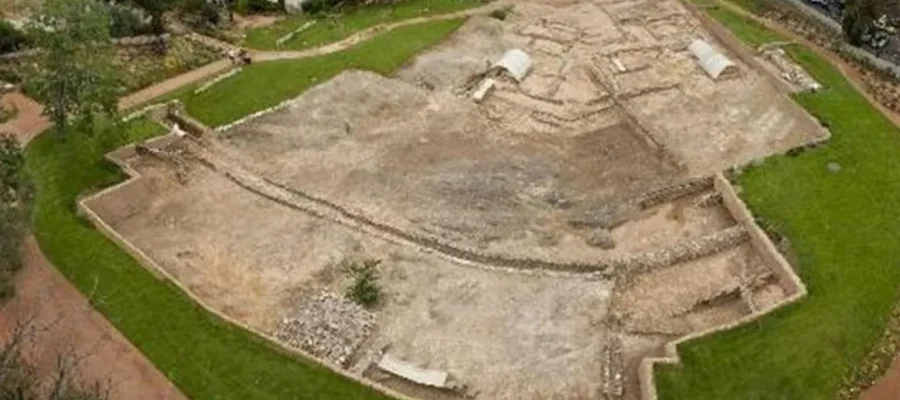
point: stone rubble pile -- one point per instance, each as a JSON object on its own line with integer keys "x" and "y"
{"x": 327, "y": 326}
{"x": 613, "y": 369}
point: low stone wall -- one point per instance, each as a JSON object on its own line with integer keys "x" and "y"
{"x": 787, "y": 278}
{"x": 703, "y": 246}
{"x": 794, "y": 287}
{"x": 674, "y": 192}
{"x": 176, "y": 114}
{"x": 221, "y": 77}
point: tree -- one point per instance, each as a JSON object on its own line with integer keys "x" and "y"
{"x": 74, "y": 74}
{"x": 16, "y": 194}
{"x": 156, "y": 9}
{"x": 20, "y": 380}
{"x": 857, "y": 19}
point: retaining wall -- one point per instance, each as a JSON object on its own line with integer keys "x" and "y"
{"x": 788, "y": 279}
{"x": 794, "y": 287}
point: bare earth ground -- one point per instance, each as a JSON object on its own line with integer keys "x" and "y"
{"x": 66, "y": 321}
{"x": 506, "y": 335}
{"x": 888, "y": 388}
{"x": 28, "y": 120}
{"x": 520, "y": 175}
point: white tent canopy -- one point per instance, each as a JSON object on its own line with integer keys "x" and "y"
{"x": 710, "y": 59}
{"x": 517, "y": 62}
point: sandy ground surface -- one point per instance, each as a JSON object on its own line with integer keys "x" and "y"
{"x": 508, "y": 176}
{"x": 66, "y": 321}
{"x": 431, "y": 165}
{"x": 507, "y": 335}
{"x": 632, "y": 52}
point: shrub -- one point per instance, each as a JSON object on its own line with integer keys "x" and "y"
{"x": 500, "y": 13}
{"x": 364, "y": 289}
{"x": 257, "y": 6}
{"x": 125, "y": 22}
{"x": 318, "y": 6}
{"x": 263, "y": 6}
{"x": 205, "y": 11}
{"x": 10, "y": 74}
{"x": 15, "y": 210}
{"x": 11, "y": 38}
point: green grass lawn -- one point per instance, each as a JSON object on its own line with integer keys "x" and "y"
{"x": 263, "y": 85}
{"x": 206, "y": 357}
{"x": 327, "y": 29}
{"x": 844, "y": 230}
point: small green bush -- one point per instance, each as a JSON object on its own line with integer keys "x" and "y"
{"x": 500, "y": 13}
{"x": 257, "y": 6}
{"x": 364, "y": 289}
{"x": 126, "y": 22}
{"x": 11, "y": 38}
{"x": 16, "y": 194}
{"x": 316, "y": 7}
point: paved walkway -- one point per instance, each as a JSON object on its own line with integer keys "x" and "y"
{"x": 151, "y": 92}
{"x": 148, "y": 94}
{"x": 66, "y": 321}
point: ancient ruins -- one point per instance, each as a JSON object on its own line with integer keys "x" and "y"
{"x": 538, "y": 241}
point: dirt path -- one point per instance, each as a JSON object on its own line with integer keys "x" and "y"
{"x": 370, "y": 33}
{"x": 149, "y": 93}
{"x": 888, "y": 388}
{"x": 28, "y": 121}
{"x": 167, "y": 86}
{"x": 67, "y": 321}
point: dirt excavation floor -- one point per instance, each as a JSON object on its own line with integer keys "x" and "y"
{"x": 535, "y": 245}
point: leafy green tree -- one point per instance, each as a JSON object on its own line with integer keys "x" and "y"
{"x": 859, "y": 16}
{"x": 156, "y": 9}
{"x": 16, "y": 195}
{"x": 74, "y": 74}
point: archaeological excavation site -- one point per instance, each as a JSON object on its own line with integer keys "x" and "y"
{"x": 545, "y": 193}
